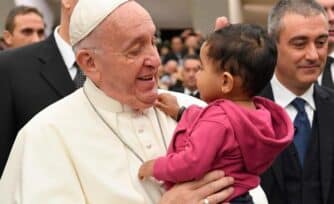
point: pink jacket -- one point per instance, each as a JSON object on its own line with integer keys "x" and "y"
{"x": 242, "y": 142}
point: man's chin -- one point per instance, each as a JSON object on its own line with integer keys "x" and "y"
{"x": 145, "y": 101}
{"x": 149, "y": 99}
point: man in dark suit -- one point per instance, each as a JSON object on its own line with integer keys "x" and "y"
{"x": 176, "y": 51}
{"x": 32, "y": 78}
{"x": 327, "y": 77}
{"x": 191, "y": 65}
{"x": 303, "y": 173}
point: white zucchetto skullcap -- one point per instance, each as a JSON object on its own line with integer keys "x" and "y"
{"x": 87, "y": 14}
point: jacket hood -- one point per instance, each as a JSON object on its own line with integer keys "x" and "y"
{"x": 262, "y": 133}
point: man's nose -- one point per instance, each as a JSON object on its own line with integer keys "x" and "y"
{"x": 35, "y": 37}
{"x": 152, "y": 57}
{"x": 312, "y": 52}
{"x": 330, "y": 14}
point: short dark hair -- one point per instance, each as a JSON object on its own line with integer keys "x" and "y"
{"x": 281, "y": 8}
{"x": 19, "y": 10}
{"x": 191, "y": 56}
{"x": 244, "y": 50}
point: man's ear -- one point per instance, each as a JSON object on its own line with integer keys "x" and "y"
{"x": 85, "y": 60}
{"x": 227, "y": 82}
{"x": 7, "y": 37}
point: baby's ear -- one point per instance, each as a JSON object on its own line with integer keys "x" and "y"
{"x": 227, "y": 82}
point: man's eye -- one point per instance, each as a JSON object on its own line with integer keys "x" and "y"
{"x": 41, "y": 33}
{"x": 299, "y": 44}
{"x": 27, "y": 32}
{"x": 134, "y": 52}
{"x": 320, "y": 43}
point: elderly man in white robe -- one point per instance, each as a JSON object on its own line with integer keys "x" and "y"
{"x": 87, "y": 148}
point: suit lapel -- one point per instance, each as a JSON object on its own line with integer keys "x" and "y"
{"x": 325, "y": 117}
{"x": 53, "y": 68}
{"x": 277, "y": 164}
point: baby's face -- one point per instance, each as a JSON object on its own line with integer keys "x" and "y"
{"x": 209, "y": 81}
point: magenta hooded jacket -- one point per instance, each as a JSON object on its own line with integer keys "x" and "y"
{"x": 242, "y": 142}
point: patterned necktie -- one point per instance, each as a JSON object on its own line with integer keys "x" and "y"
{"x": 302, "y": 129}
{"x": 79, "y": 78}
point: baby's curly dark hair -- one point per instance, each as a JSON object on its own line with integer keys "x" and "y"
{"x": 244, "y": 50}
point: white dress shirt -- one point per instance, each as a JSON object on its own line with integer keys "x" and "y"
{"x": 66, "y": 52}
{"x": 284, "y": 97}
{"x": 189, "y": 92}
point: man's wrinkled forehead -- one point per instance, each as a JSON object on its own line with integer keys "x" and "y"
{"x": 290, "y": 21}
{"x": 132, "y": 22}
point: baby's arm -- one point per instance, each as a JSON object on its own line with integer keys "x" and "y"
{"x": 168, "y": 104}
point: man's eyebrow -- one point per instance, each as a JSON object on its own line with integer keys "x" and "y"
{"x": 323, "y": 36}
{"x": 133, "y": 42}
{"x": 301, "y": 37}
{"x": 298, "y": 38}
{"x": 137, "y": 40}
{"x": 27, "y": 30}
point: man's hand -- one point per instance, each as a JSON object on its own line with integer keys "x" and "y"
{"x": 168, "y": 104}
{"x": 214, "y": 186}
{"x": 221, "y": 22}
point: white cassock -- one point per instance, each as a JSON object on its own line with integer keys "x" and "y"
{"x": 66, "y": 154}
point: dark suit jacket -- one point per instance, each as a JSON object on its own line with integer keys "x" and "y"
{"x": 327, "y": 80}
{"x": 172, "y": 56}
{"x": 32, "y": 78}
{"x": 272, "y": 180}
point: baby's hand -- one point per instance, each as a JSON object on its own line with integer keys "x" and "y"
{"x": 168, "y": 104}
{"x": 146, "y": 170}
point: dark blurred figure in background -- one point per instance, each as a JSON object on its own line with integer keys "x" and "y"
{"x": 24, "y": 25}
{"x": 191, "y": 45}
{"x": 2, "y": 44}
{"x": 163, "y": 51}
{"x": 170, "y": 74}
{"x": 176, "y": 51}
{"x": 326, "y": 78}
{"x": 191, "y": 65}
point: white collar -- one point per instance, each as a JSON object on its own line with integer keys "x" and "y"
{"x": 65, "y": 49}
{"x": 101, "y": 100}
{"x": 284, "y": 96}
{"x": 188, "y": 91}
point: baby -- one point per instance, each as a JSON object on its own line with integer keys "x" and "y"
{"x": 237, "y": 132}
